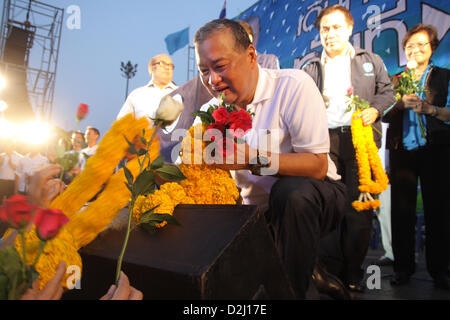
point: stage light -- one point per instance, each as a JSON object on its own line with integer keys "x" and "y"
{"x": 34, "y": 132}
{"x": 3, "y": 106}
{"x": 7, "y": 129}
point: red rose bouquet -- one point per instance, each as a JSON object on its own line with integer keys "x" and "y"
{"x": 226, "y": 125}
{"x": 15, "y": 275}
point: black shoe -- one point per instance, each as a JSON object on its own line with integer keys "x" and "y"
{"x": 383, "y": 261}
{"x": 442, "y": 281}
{"x": 329, "y": 284}
{"x": 399, "y": 278}
{"x": 356, "y": 286}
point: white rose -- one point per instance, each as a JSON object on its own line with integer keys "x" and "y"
{"x": 168, "y": 111}
{"x": 412, "y": 64}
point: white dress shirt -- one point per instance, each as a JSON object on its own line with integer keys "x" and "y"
{"x": 89, "y": 151}
{"x": 144, "y": 101}
{"x": 337, "y": 80}
{"x": 289, "y": 104}
{"x": 6, "y": 172}
{"x": 29, "y": 166}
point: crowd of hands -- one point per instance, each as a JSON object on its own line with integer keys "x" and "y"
{"x": 43, "y": 189}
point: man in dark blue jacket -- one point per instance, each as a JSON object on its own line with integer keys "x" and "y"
{"x": 338, "y": 68}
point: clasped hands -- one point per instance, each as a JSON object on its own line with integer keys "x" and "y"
{"x": 417, "y": 105}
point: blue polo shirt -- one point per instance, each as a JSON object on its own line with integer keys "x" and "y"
{"x": 412, "y": 136}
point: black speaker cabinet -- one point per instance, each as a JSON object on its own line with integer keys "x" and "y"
{"x": 219, "y": 252}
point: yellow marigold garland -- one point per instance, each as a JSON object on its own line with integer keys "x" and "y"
{"x": 85, "y": 226}
{"x": 368, "y": 162}
{"x": 100, "y": 166}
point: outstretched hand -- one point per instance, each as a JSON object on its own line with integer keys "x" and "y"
{"x": 124, "y": 291}
{"x": 52, "y": 291}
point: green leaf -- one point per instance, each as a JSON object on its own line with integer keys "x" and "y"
{"x": 157, "y": 163}
{"x": 143, "y": 141}
{"x": 128, "y": 175}
{"x": 11, "y": 268}
{"x": 169, "y": 172}
{"x": 128, "y": 141}
{"x": 152, "y": 220}
{"x": 141, "y": 152}
{"x": 144, "y": 184}
{"x": 151, "y": 228}
{"x": 132, "y": 150}
{"x": 4, "y": 283}
{"x": 206, "y": 117}
{"x": 145, "y": 217}
{"x": 129, "y": 187}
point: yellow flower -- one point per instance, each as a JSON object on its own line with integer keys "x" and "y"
{"x": 369, "y": 164}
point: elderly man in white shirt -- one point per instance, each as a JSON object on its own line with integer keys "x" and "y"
{"x": 301, "y": 192}
{"x": 144, "y": 101}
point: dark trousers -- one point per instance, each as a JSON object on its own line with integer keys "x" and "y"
{"x": 301, "y": 211}
{"x": 431, "y": 164}
{"x": 343, "y": 251}
{"x": 6, "y": 189}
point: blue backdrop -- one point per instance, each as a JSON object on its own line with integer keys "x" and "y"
{"x": 286, "y": 27}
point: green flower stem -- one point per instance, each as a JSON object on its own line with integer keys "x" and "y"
{"x": 125, "y": 243}
{"x": 130, "y": 211}
{"x": 422, "y": 129}
{"x": 22, "y": 236}
{"x": 376, "y": 130}
{"x": 41, "y": 249}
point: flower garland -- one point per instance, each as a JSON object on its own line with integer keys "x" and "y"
{"x": 86, "y": 225}
{"x": 166, "y": 199}
{"x": 368, "y": 162}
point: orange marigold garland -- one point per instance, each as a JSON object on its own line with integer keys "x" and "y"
{"x": 369, "y": 164}
{"x": 84, "y": 226}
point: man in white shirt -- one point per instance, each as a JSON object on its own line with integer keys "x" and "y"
{"x": 9, "y": 160}
{"x": 27, "y": 167}
{"x": 91, "y": 135}
{"x": 303, "y": 197}
{"x": 144, "y": 101}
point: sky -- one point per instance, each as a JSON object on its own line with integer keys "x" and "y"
{"x": 112, "y": 31}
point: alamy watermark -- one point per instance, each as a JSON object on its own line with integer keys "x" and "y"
{"x": 73, "y": 22}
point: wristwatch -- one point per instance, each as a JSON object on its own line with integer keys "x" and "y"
{"x": 256, "y": 164}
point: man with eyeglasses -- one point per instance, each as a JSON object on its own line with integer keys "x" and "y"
{"x": 335, "y": 70}
{"x": 144, "y": 101}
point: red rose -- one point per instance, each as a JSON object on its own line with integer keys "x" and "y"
{"x": 211, "y": 132}
{"x": 350, "y": 91}
{"x": 226, "y": 146}
{"x": 48, "y": 223}
{"x": 82, "y": 111}
{"x": 241, "y": 122}
{"x": 16, "y": 211}
{"x": 221, "y": 115}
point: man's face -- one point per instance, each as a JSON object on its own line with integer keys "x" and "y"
{"x": 225, "y": 69}
{"x": 91, "y": 137}
{"x": 161, "y": 70}
{"x": 77, "y": 141}
{"x": 334, "y": 33}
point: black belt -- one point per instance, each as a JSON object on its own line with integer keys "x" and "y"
{"x": 342, "y": 129}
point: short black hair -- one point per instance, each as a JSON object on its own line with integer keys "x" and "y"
{"x": 241, "y": 39}
{"x": 326, "y": 11}
{"x": 429, "y": 29}
{"x": 93, "y": 129}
